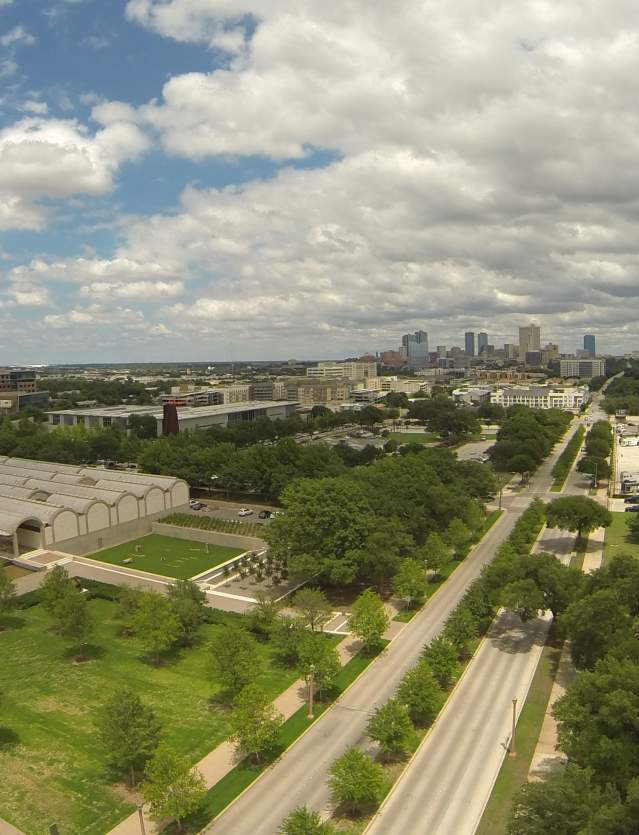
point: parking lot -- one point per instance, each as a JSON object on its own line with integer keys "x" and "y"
{"x": 217, "y": 509}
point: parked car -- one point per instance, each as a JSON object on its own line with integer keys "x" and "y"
{"x": 264, "y": 514}
{"x": 632, "y": 509}
{"x": 195, "y": 505}
{"x": 245, "y": 511}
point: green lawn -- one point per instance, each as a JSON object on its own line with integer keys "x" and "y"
{"x": 179, "y": 558}
{"x": 414, "y": 437}
{"x": 617, "y": 541}
{"x": 50, "y": 759}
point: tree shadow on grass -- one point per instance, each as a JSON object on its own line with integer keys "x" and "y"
{"x": 84, "y": 654}
{"x": 11, "y": 622}
{"x": 8, "y": 739}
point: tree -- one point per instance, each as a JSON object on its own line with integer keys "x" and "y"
{"x": 421, "y": 693}
{"x": 457, "y": 536}
{"x": 172, "y": 788}
{"x": 558, "y": 583}
{"x": 597, "y": 721}
{"x": 435, "y": 553}
{"x": 441, "y": 656}
{"x": 594, "y": 625}
{"x": 317, "y": 656}
{"x": 7, "y": 592}
{"x": 255, "y": 723}
{"x": 287, "y": 635}
{"x": 368, "y": 620}
{"x": 410, "y": 581}
{"x": 56, "y": 585}
{"x": 263, "y": 615}
{"x": 72, "y": 617}
{"x": 313, "y": 605}
{"x": 564, "y": 804}
{"x": 577, "y": 513}
{"x": 129, "y": 602}
{"x": 303, "y": 821}
{"x": 129, "y": 732}
{"x": 391, "y": 728}
{"x": 356, "y": 782}
{"x": 524, "y": 598}
{"x": 188, "y": 602}
{"x": 381, "y": 554}
{"x": 235, "y": 659}
{"x": 302, "y": 568}
{"x": 460, "y": 628}
{"x": 155, "y": 624}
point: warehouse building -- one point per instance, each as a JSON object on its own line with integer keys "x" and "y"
{"x": 79, "y": 509}
{"x": 189, "y": 418}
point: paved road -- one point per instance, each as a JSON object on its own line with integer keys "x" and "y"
{"x": 300, "y": 777}
{"x": 449, "y": 781}
{"x": 445, "y": 788}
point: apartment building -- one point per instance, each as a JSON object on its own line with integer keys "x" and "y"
{"x": 585, "y": 369}
{"x": 343, "y": 370}
{"x": 570, "y": 398}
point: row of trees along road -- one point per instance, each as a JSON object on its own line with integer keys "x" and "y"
{"x": 361, "y": 525}
{"x": 526, "y": 438}
{"x": 598, "y": 448}
{"x": 623, "y": 393}
{"x": 598, "y": 793}
{"x": 357, "y": 781}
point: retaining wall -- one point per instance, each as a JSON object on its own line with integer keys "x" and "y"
{"x": 230, "y": 540}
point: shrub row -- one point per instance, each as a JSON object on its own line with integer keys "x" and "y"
{"x": 566, "y": 459}
{"x": 206, "y": 523}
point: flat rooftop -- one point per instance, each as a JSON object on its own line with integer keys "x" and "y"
{"x": 183, "y": 411}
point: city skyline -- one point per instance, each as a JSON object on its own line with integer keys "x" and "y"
{"x": 254, "y": 198}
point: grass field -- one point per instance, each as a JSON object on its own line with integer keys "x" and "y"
{"x": 414, "y": 437}
{"x": 50, "y": 758}
{"x": 617, "y": 541}
{"x": 179, "y": 558}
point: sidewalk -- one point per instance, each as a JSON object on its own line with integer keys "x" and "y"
{"x": 218, "y": 762}
{"x": 547, "y": 757}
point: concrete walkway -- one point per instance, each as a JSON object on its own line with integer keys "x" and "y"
{"x": 218, "y": 762}
{"x": 7, "y": 829}
{"x": 547, "y": 757}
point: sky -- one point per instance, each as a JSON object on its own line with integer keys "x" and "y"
{"x": 257, "y": 179}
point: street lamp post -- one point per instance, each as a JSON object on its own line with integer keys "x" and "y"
{"x": 311, "y": 682}
{"x": 511, "y": 748}
{"x": 213, "y": 478}
{"x": 141, "y": 814}
{"x": 501, "y": 490}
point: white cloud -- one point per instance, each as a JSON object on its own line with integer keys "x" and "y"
{"x": 148, "y": 291}
{"x": 41, "y": 108}
{"x": 17, "y": 36}
{"x": 58, "y": 158}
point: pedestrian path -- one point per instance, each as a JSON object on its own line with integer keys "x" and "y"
{"x": 222, "y": 759}
{"x": 547, "y": 757}
{"x": 7, "y": 829}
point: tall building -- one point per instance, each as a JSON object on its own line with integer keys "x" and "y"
{"x": 529, "y": 339}
{"x": 469, "y": 343}
{"x": 582, "y": 368}
{"x": 415, "y": 349}
{"x": 590, "y": 344}
{"x": 510, "y": 351}
{"x": 441, "y": 350}
{"x": 482, "y": 342}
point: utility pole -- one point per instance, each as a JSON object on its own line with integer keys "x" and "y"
{"x": 501, "y": 490}
{"x": 311, "y": 682}
{"x": 511, "y": 748}
{"x": 141, "y": 814}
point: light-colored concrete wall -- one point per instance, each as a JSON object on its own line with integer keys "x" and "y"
{"x": 229, "y": 540}
{"x": 98, "y": 517}
{"x": 154, "y": 501}
{"x": 127, "y": 509}
{"x": 179, "y": 494}
{"x": 65, "y": 526}
{"x": 108, "y": 537}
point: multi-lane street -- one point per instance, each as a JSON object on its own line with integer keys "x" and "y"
{"x": 450, "y": 779}
{"x": 300, "y": 776}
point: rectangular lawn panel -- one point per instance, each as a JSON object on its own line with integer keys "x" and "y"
{"x": 167, "y": 555}
{"x": 618, "y": 540}
{"x": 51, "y": 761}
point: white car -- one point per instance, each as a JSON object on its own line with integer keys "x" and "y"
{"x": 246, "y": 511}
